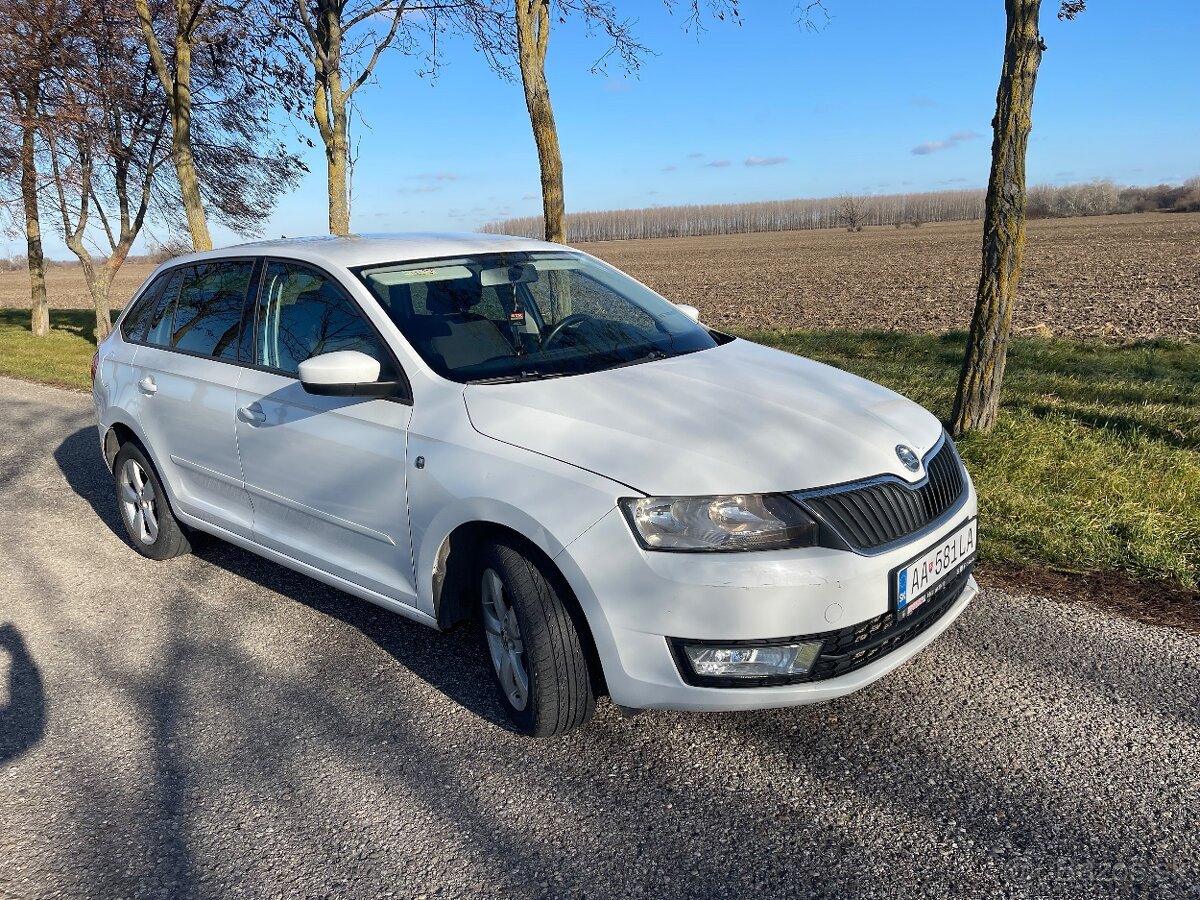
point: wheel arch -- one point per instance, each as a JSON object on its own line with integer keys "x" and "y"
{"x": 455, "y": 594}
{"x": 120, "y": 432}
{"x": 115, "y": 436}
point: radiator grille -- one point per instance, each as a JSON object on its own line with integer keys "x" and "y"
{"x": 879, "y": 512}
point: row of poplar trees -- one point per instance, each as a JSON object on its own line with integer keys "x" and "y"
{"x": 117, "y": 112}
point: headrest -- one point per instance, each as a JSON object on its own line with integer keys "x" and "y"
{"x": 442, "y": 298}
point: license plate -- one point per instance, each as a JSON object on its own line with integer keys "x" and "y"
{"x": 919, "y": 579}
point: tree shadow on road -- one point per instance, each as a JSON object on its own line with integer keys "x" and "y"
{"x": 23, "y": 717}
{"x": 82, "y": 465}
{"x": 453, "y": 662}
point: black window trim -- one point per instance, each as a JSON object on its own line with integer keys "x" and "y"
{"x": 253, "y": 296}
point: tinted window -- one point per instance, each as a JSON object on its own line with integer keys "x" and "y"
{"x": 159, "y": 327}
{"x": 303, "y": 313}
{"x": 149, "y": 308}
{"x": 208, "y": 314}
{"x": 136, "y": 322}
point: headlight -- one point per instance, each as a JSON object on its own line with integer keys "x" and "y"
{"x": 734, "y": 522}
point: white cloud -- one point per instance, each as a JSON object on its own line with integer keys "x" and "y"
{"x": 934, "y": 146}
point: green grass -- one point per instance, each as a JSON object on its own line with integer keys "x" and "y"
{"x": 64, "y": 357}
{"x": 1094, "y": 464}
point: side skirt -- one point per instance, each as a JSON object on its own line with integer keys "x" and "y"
{"x": 362, "y": 593}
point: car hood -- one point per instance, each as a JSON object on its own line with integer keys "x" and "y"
{"x": 739, "y": 418}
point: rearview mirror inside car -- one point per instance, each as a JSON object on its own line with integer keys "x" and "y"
{"x": 498, "y": 275}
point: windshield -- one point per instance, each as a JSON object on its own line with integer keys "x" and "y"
{"x": 516, "y": 316}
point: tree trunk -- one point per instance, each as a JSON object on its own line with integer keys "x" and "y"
{"x": 978, "y": 398}
{"x": 98, "y": 282}
{"x": 330, "y": 102}
{"x": 337, "y": 157}
{"x": 189, "y": 185}
{"x": 40, "y": 312}
{"x": 181, "y": 137}
{"x": 100, "y": 288}
{"x": 532, "y": 39}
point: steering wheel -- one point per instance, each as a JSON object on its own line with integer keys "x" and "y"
{"x": 562, "y": 325}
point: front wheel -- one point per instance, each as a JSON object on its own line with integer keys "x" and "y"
{"x": 542, "y": 671}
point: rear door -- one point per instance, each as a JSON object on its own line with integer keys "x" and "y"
{"x": 186, "y": 371}
{"x": 326, "y": 475}
{"x": 116, "y": 385}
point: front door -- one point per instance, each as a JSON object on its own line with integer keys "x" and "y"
{"x": 325, "y": 475}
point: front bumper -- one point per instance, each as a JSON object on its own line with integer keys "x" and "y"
{"x": 636, "y": 601}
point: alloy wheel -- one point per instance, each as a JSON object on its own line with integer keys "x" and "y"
{"x": 139, "y": 502}
{"x": 505, "y": 644}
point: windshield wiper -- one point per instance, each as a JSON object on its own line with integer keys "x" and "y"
{"x": 651, "y": 355}
{"x": 523, "y": 375}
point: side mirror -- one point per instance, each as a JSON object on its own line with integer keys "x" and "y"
{"x": 690, "y": 311}
{"x": 344, "y": 373}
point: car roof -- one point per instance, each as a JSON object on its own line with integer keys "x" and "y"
{"x": 370, "y": 249}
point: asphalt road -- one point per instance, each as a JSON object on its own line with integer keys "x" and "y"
{"x": 218, "y": 726}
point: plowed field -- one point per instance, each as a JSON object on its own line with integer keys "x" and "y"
{"x": 1110, "y": 276}
{"x": 1113, "y": 276}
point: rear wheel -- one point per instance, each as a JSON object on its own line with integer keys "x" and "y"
{"x": 147, "y": 515}
{"x": 541, "y": 670}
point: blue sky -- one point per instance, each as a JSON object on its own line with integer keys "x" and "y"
{"x": 887, "y": 96}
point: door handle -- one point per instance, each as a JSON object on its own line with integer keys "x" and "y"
{"x": 147, "y": 385}
{"x": 252, "y": 414}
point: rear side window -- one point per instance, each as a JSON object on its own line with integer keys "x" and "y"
{"x": 303, "y": 313}
{"x": 151, "y": 308}
{"x": 208, "y": 314}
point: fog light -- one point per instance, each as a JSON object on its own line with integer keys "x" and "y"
{"x": 752, "y": 662}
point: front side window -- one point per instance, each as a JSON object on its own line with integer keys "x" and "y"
{"x": 303, "y": 313}
{"x": 511, "y": 316}
{"x": 208, "y": 314}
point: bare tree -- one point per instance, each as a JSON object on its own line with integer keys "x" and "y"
{"x": 532, "y": 19}
{"x": 31, "y": 42}
{"x": 333, "y": 34}
{"x": 107, "y": 137}
{"x": 341, "y": 41}
{"x": 175, "y": 73}
{"x": 978, "y": 397}
{"x": 852, "y": 212}
{"x": 762, "y": 215}
{"x": 533, "y": 38}
{"x": 223, "y": 79}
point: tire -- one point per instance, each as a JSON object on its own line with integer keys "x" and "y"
{"x": 145, "y": 511}
{"x": 529, "y": 630}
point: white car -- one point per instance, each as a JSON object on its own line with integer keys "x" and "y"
{"x": 476, "y": 427}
